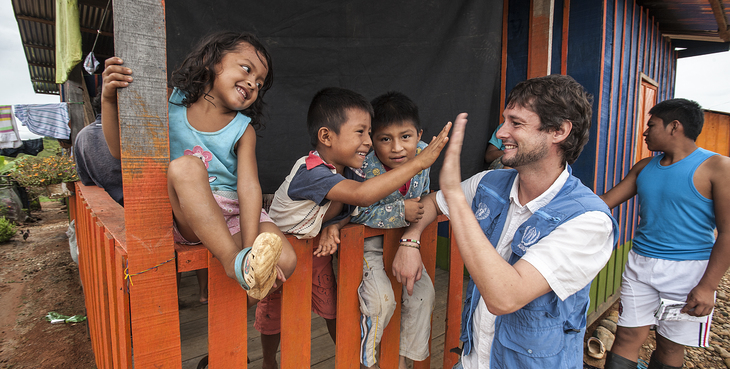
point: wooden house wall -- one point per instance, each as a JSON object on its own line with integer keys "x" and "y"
{"x": 606, "y": 46}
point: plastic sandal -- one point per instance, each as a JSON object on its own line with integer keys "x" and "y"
{"x": 596, "y": 349}
{"x": 256, "y": 266}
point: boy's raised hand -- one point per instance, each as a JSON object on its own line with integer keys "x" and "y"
{"x": 429, "y": 155}
{"x": 414, "y": 210}
{"x": 114, "y": 76}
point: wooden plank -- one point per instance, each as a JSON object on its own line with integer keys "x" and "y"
{"x": 541, "y": 38}
{"x": 348, "y": 305}
{"x": 191, "y": 257}
{"x": 390, "y": 343}
{"x": 564, "y": 44}
{"x": 454, "y": 305}
{"x": 107, "y": 243}
{"x": 503, "y": 73}
{"x": 296, "y": 304}
{"x": 227, "y": 303}
{"x": 139, "y": 35}
{"x": 107, "y": 211}
{"x": 104, "y": 316}
{"x": 610, "y": 274}
{"x": 123, "y": 314}
{"x": 428, "y": 255}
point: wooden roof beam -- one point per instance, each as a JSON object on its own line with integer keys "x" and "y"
{"x": 722, "y": 27}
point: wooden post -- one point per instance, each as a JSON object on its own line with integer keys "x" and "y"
{"x": 541, "y": 38}
{"x": 139, "y": 38}
{"x": 348, "y": 304}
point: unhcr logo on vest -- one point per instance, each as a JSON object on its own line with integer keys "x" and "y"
{"x": 530, "y": 236}
{"x": 482, "y": 211}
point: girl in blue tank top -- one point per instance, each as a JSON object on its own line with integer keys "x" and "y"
{"x": 213, "y": 184}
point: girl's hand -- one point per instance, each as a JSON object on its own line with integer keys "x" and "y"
{"x": 329, "y": 240}
{"x": 114, "y": 76}
{"x": 429, "y": 155}
{"x": 414, "y": 210}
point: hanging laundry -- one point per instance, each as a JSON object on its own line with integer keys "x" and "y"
{"x": 50, "y": 120}
{"x": 9, "y": 137}
{"x": 28, "y": 147}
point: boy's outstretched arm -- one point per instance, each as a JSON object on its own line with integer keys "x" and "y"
{"x": 376, "y": 188}
{"x": 625, "y": 189}
{"x": 115, "y": 76}
{"x": 386, "y": 214}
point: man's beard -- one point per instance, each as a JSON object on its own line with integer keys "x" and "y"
{"x": 524, "y": 158}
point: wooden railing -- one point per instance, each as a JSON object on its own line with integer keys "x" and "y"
{"x": 108, "y": 288}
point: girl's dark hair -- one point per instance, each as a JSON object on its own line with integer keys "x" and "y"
{"x": 197, "y": 73}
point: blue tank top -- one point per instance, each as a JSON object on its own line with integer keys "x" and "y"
{"x": 215, "y": 149}
{"x": 677, "y": 223}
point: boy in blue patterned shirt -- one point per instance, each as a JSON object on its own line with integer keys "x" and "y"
{"x": 396, "y": 134}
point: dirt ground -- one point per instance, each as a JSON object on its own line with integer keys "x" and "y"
{"x": 37, "y": 275}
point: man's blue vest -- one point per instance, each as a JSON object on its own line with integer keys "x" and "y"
{"x": 547, "y": 332}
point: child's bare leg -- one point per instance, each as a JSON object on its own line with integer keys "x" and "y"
{"x": 202, "y": 275}
{"x": 402, "y": 364}
{"x": 197, "y": 214}
{"x": 269, "y": 346}
{"x": 332, "y": 328}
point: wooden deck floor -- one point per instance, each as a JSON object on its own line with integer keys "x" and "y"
{"x": 194, "y": 318}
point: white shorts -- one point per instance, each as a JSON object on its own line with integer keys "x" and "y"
{"x": 646, "y": 281}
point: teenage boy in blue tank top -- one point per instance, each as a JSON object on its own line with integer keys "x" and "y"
{"x": 532, "y": 238}
{"x": 683, "y": 195}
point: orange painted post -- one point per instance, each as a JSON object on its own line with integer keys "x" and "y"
{"x": 540, "y": 39}
{"x": 227, "y": 330}
{"x": 296, "y": 321}
{"x": 454, "y": 304}
{"x": 123, "y": 316}
{"x": 140, "y": 40}
{"x": 103, "y": 304}
{"x": 348, "y": 306}
{"x": 108, "y": 244}
{"x": 390, "y": 343}
{"x": 428, "y": 256}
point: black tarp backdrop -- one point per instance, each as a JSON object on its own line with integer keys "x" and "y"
{"x": 445, "y": 55}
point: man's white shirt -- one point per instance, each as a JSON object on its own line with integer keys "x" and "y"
{"x": 568, "y": 258}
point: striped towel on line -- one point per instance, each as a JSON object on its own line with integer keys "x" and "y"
{"x": 50, "y": 120}
{"x": 9, "y": 137}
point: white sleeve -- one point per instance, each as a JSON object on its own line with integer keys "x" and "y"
{"x": 469, "y": 186}
{"x": 571, "y": 256}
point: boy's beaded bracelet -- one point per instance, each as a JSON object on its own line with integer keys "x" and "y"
{"x": 417, "y": 247}
{"x": 417, "y": 242}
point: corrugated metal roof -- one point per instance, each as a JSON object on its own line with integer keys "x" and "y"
{"x": 686, "y": 22}
{"x": 36, "y": 23}
{"x": 690, "y": 19}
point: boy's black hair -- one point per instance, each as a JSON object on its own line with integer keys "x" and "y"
{"x": 555, "y": 99}
{"x": 197, "y": 73}
{"x": 689, "y": 113}
{"x": 329, "y": 109}
{"x": 394, "y": 107}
